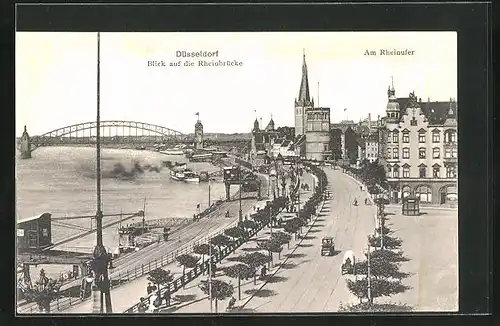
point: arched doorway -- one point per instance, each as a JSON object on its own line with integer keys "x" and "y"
{"x": 447, "y": 194}
{"x": 424, "y": 193}
{"x": 405, "y": 191}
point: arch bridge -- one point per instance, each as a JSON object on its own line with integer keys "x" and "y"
{"x": 111, "y": 132}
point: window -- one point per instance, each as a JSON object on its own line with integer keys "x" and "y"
{"x": 436, "y": 152}
{"x": 388, "y": 174}
{"x": 450, "y": 136}
{"x": 421, "y": 172}
{"x": 389, "y": 137}
{"x": 45, "y": 232}
{"x": 395, "y": 137}
{"x": 406, "y": 152}
{"x": 421, "y": 152}
{"x": 406, "y": 137}
{"x": 435, "y": 172}
{"x": 389, "y": 153}
{"x": 454, "y": 153}
{"x": 451, "y": 171}
{"x": 325, "y": 147}
{"x": 424, "y": 193}
{"x": 421, "y": 137}
{"x": 435, "y": 137}
{"x": 395, "y": 153}
{"x": 453, "y": 137}
{"x": 395, "y": 172}
{"x": 413, "y": 122}
{"x": 447, "y": 153}
{"x": 406, "y": 171}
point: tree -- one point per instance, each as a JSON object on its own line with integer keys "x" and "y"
{"x": 254, "y": 261}
{"x": 380, "y": 268}
{"x": 160, "y": 277}
{"x": 379, "y": 287}
{"x": 220, "y": 241}
{"x": 292, "y": 229}
{"x": 389, "y": 242}
{"x": 220, "y": 290}
{"x": 240, "y": 271}
{"x": 367, "y": 307}
{"x": 271, "y": 245}
{"x": 202, "y": 249}
{"x": 235, "y": 232}
{"x": 389, "y": 256}
{"x": 44, "y": 292}
{"x": 249, "y": 224}
{"x": 188, "y": 261}
{"x": 282, "y": 238}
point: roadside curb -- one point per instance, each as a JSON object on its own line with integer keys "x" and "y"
{"x": 286, "y": 259}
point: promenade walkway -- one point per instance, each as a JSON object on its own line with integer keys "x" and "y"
{"x": 126, "y": 295}
{"x": 193, "y": 300}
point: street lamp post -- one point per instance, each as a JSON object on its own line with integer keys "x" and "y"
{"x": 240, "y": 213}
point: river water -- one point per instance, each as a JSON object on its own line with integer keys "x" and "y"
{"x": 61, "y": 181}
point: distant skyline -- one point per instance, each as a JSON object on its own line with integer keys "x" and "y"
{"x": 56, "y": 76}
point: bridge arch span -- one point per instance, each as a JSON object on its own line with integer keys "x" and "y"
{"x": 116, "y": 130}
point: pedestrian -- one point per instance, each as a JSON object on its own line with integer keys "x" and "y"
{"x": 149, "y": 288}
{"x": 263, "y": 272}
{"x": 142, "y": 306}
{"x": 166, "y": 296}
{"x": 213, "y": 269}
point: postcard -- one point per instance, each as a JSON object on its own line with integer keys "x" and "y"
{"x": 236, "y": 172}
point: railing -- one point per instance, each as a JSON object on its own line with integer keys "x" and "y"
{"x": 218, "y": 256}
{"x": 64, "y": 303}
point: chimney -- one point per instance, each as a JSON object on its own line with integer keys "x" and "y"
{"x": 369, "y": 120}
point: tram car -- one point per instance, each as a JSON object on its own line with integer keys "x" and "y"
{"x": 34, "y": 233}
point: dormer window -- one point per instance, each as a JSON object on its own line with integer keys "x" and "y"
{"x": 435, "y": 137}
{"x": 406, "y": 137}
{"x": 421, "y": 137}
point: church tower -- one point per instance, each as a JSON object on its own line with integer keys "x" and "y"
{"x": 304, "y": 102}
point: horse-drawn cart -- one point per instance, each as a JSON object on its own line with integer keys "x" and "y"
{"x": 348, "y": 263}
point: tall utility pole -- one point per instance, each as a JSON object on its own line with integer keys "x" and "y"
{"x": 208, "y": 190}
{"x": 240, "y": 213}
{"x": 369, "y": 277}
{"x": 101, "y": 258}
{"x": 144, "y": 217}
{"x": 210, "y": 275}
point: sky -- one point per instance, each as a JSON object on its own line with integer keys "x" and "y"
{"x": 56, "y": 76}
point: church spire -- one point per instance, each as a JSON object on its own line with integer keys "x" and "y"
{"x": 304, "y": 98}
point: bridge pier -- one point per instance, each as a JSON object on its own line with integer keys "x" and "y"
{"x": 25, "y": 145}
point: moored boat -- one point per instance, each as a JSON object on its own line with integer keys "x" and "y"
{"x": 185, "y": 175}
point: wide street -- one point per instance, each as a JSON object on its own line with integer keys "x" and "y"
{"x": 311, "y": 282}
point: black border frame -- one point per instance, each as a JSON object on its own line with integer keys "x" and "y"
{"x": 472, "y": 21}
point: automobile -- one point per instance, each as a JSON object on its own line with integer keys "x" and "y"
{"x": 327, "y": 246}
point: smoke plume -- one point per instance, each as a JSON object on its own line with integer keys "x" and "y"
{"x": 122, "y": 171}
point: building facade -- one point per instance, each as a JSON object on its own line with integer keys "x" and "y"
{"x": 372, "y": 147}
{"x": 318, "y": 134}
{"x": 419, "y": 149}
